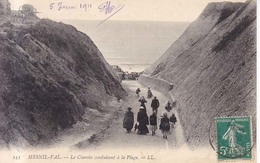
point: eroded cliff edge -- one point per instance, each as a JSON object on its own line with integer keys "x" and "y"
{"x": 51, "y": 74}
{"x": 212, "y": 67}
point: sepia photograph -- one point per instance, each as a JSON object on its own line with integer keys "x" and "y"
{"x": 128, "y": 81}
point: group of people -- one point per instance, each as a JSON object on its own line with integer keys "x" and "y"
{"x": 167, "y": 121}
{"x": 149, "y": 92}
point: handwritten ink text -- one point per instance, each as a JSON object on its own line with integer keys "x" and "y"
{"x": 108, "y": 8}
{"x": 60, "y": 6}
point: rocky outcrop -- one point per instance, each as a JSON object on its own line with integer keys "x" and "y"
{"x": 212, "y": 67}
{"x": 5, "y": 8}
{"x": 50, "y": 75}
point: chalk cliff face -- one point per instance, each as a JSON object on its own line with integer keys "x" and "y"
{"x": 50, "y": 75}
{"x": 212, "y": 67}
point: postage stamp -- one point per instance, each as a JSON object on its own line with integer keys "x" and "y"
{"x": 234, "y": 138}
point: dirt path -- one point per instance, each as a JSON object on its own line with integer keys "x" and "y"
{"x": 116, "y": 136}
{"x": 102, "y": 134}
{"x": 110, "y": 132}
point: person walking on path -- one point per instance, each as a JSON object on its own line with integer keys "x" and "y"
{"x": 142, "y": 100}
{"x": 155, "y": 104}
{"x": 173, "y": 120}
{"x": 168, "y": 106}
{"x": 153, "y": 122}
{"x": 169, "y": 112}
{"x": 165, "y": 125}
{"x": 149, "y": 93}
{"x": 128, "y": 122}
{"x": 168, "y": 109}
{"x": 137, "y": 92}
{"x": 142, "y": 119}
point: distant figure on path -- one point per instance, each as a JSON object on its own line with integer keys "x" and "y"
{"x": 153, "y": 122}
{"x": 168, "y": 106}
{"x": 142, "y": 100}
{"x": 155, "y": 104}
{"x": 142, "y": 118}
{"x": 137, "y": 92}
{"x": 149, "y": 93}
{"x": 165, "y": 125}
{"x": 128, "y": 122}
{"x": 173, "y": 120}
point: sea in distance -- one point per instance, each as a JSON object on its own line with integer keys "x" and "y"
{"x": 132, "y": 45}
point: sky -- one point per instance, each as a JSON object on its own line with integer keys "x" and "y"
{"x": 132, "y": 10}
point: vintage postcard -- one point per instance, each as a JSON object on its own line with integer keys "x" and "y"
{"x": 127, "y": 81}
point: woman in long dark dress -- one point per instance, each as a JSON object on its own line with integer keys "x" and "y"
{"x": 128, "y": 122}
{"x": 142, "y": 118}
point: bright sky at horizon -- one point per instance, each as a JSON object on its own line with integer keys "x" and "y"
{"x": 132, "y": 10}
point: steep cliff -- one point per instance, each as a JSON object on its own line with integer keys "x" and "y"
{"x": 4, "y": 7}
{"x": 212, "y": 67}
{"x": 50, "y": 75}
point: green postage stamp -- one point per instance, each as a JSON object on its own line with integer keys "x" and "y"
{"x": 234, "y": 138}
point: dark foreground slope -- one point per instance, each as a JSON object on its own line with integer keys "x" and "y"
{"x": 50, "y": 75}
{"x": 212, "y": 67}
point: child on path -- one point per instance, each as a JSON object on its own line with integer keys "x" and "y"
{"x": 173, "y": 120}
{"x": 165, "y": 125}
{"x": 153, "y": 123}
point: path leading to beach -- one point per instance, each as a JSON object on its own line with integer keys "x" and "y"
{"x": 113, "y": 140}
{"x": 117, "y": 138}
{"x": 114, "y": 136}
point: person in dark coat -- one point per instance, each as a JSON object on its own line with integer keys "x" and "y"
{"x": 137, "y": 92}
{"x": 155, "y": 104}
{"x": 153, "y": 122}
{"x": 142, "y": 100}
{"x": 142, "y": 118}
{"x": 128, "y": 122}
{"x": 173, "y": 120}
{"x": 168, "y": 106}
{"x": 165, "y": 125}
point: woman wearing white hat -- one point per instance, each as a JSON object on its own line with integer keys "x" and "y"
{"x": 149, "y": 93}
